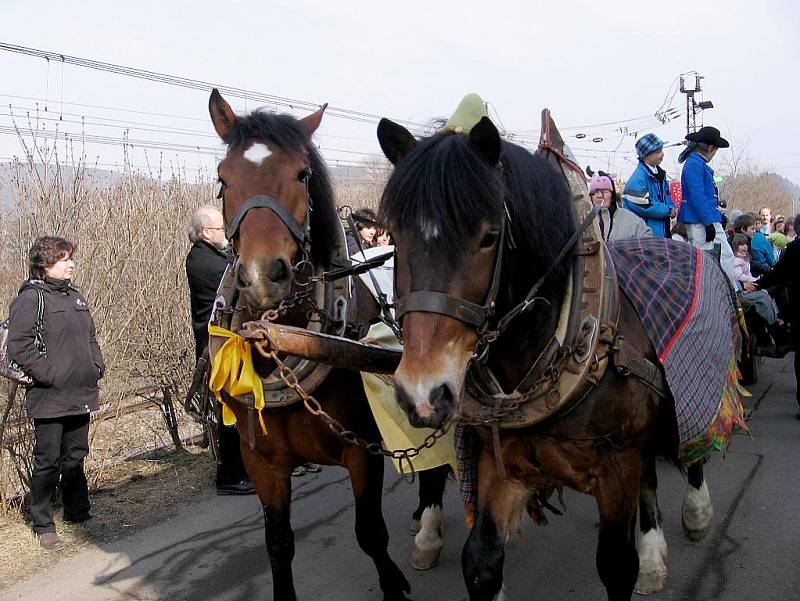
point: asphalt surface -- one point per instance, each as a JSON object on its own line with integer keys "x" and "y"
{"x": 214, "y": 549}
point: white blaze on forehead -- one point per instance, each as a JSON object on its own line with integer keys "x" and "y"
{"x": 257, "y": 153}
{"x": 429, "y": 230}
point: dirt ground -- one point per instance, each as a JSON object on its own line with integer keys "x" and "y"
{"x": 132, "y": 495}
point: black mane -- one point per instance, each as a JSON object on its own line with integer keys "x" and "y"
{"x": 443, "y": 183}
{"x": 286, "y": 132}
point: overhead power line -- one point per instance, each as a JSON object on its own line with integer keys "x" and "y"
{"x": 292, "y": 103}
{"x": 197, "y": 84}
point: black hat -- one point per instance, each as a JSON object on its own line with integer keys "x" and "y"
{"x": 708, "y": 135}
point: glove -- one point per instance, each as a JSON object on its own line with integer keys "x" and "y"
{"x": 711, "y": 232}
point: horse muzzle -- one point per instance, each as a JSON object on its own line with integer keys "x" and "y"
{"x": 427, "y": 410}
{"x": 264, "y": 285}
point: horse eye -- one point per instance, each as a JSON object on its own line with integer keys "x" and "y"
{"x": 219, "y": 188}
{"x": 304, "y": 174}
{"x": 490, "y": 239}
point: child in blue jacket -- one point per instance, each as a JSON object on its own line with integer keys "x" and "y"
{"x": 647, "y": 192}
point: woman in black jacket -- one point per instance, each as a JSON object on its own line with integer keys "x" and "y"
{"x": 65, "y": 383}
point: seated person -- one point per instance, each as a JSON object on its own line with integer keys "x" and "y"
{"x": 679, "y": 232}
{"x": 772, "y": 340}
{"x": 762, "y": 257}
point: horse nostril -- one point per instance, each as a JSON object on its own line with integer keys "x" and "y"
{"x": 278, "y": 271}
{"x": 241, "y": 279}
{"x": 441, "y": 397}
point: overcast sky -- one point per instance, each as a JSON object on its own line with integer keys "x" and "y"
{"x": 589, "y": 62}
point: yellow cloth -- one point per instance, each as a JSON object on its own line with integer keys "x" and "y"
{"x": 232, "y": 370}
{"x": 392, "y": 421}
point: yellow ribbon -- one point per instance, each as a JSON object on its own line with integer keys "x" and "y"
{"x": 232, "y": 370}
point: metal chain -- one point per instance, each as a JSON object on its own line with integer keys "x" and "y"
{"x": 314, "y": 407}
{"x": 289, "y": 377}
{"x": 551, "y": 374}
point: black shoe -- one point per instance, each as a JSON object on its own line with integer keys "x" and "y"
{"x": 764, "y": 351}
{"x": 245, "y": 487}
{"x": 780, "y": 351}
{"x": 312, "y": 468}
{"x": 90, "y": 525}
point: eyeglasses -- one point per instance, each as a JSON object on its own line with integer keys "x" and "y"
{"x": 221, "y": 229}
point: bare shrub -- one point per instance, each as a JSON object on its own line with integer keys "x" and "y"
{"x": 132, "y": 243}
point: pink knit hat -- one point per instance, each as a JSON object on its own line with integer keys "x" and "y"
{"x": 600, "y": 182}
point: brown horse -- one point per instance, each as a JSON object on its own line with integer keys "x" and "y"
{"x": 477, "y": 221}
{"x": 280, "y": 212}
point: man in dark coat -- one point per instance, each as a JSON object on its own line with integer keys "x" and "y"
{"x": 787, "y": 273}
{"x": 205, "y": 265}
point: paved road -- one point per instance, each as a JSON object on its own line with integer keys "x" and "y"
{"x": 214, "y": 549}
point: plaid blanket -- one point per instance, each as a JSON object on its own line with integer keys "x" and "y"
{"x": 684, "y": 301}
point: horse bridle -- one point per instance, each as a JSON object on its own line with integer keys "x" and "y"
{"x": 300, "y": 231}
{"x": 479, "y": 316}
{"x": 472, "y": 314}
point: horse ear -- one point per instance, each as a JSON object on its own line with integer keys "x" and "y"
{"x": 485, "y": 138}
{"x": 222, "y": 115}
{"x": 395, "y": 140}
{"x": 311, "y": 122}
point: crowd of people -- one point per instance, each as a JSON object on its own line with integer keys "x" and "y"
{"x": 758, "y": 253}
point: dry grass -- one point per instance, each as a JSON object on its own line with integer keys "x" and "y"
{"x": 130, "y": 230}
{"x": 133, "y": 495}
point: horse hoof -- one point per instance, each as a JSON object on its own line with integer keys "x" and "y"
{"x": 424, "y": 559}
{"x": 696, "y": 522}
{"x": 696, "y": 534}
{"x": 697, "y": 513}
{"x": 415, "y": 526}
{"x": 650, "y": 583}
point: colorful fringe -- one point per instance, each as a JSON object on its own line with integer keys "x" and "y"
{"x": 730, "y": 415}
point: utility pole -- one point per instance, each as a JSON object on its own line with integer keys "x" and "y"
{"x": 690, "y": 85}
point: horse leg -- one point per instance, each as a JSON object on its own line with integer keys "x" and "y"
{"x": 274, "y": 489}
{"x": 616, "y": 494}
{"x": 697, "y": 510}
{"x": 429, "y": 540}
{"x": 366, "y": 475}
{"x": 652, "y": 544}
{"x": 500, "y": 505}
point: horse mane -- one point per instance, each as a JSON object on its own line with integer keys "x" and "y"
{"x": 444, "y": 186}
{"x": 286, "y": 132}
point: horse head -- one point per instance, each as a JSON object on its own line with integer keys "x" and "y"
{"x": 264, "y": 184}
{"x": 470, "y": 215}
{"x": 451, "y": 254}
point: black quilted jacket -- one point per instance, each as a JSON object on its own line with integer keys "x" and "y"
{"x": 66, "y": 377}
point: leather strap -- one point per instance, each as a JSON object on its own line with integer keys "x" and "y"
{"x": 472, "y": 314}
{"x": 428, "y": 301}
{"x": 629, "y": 361}
{"x": 261, "y": 201}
